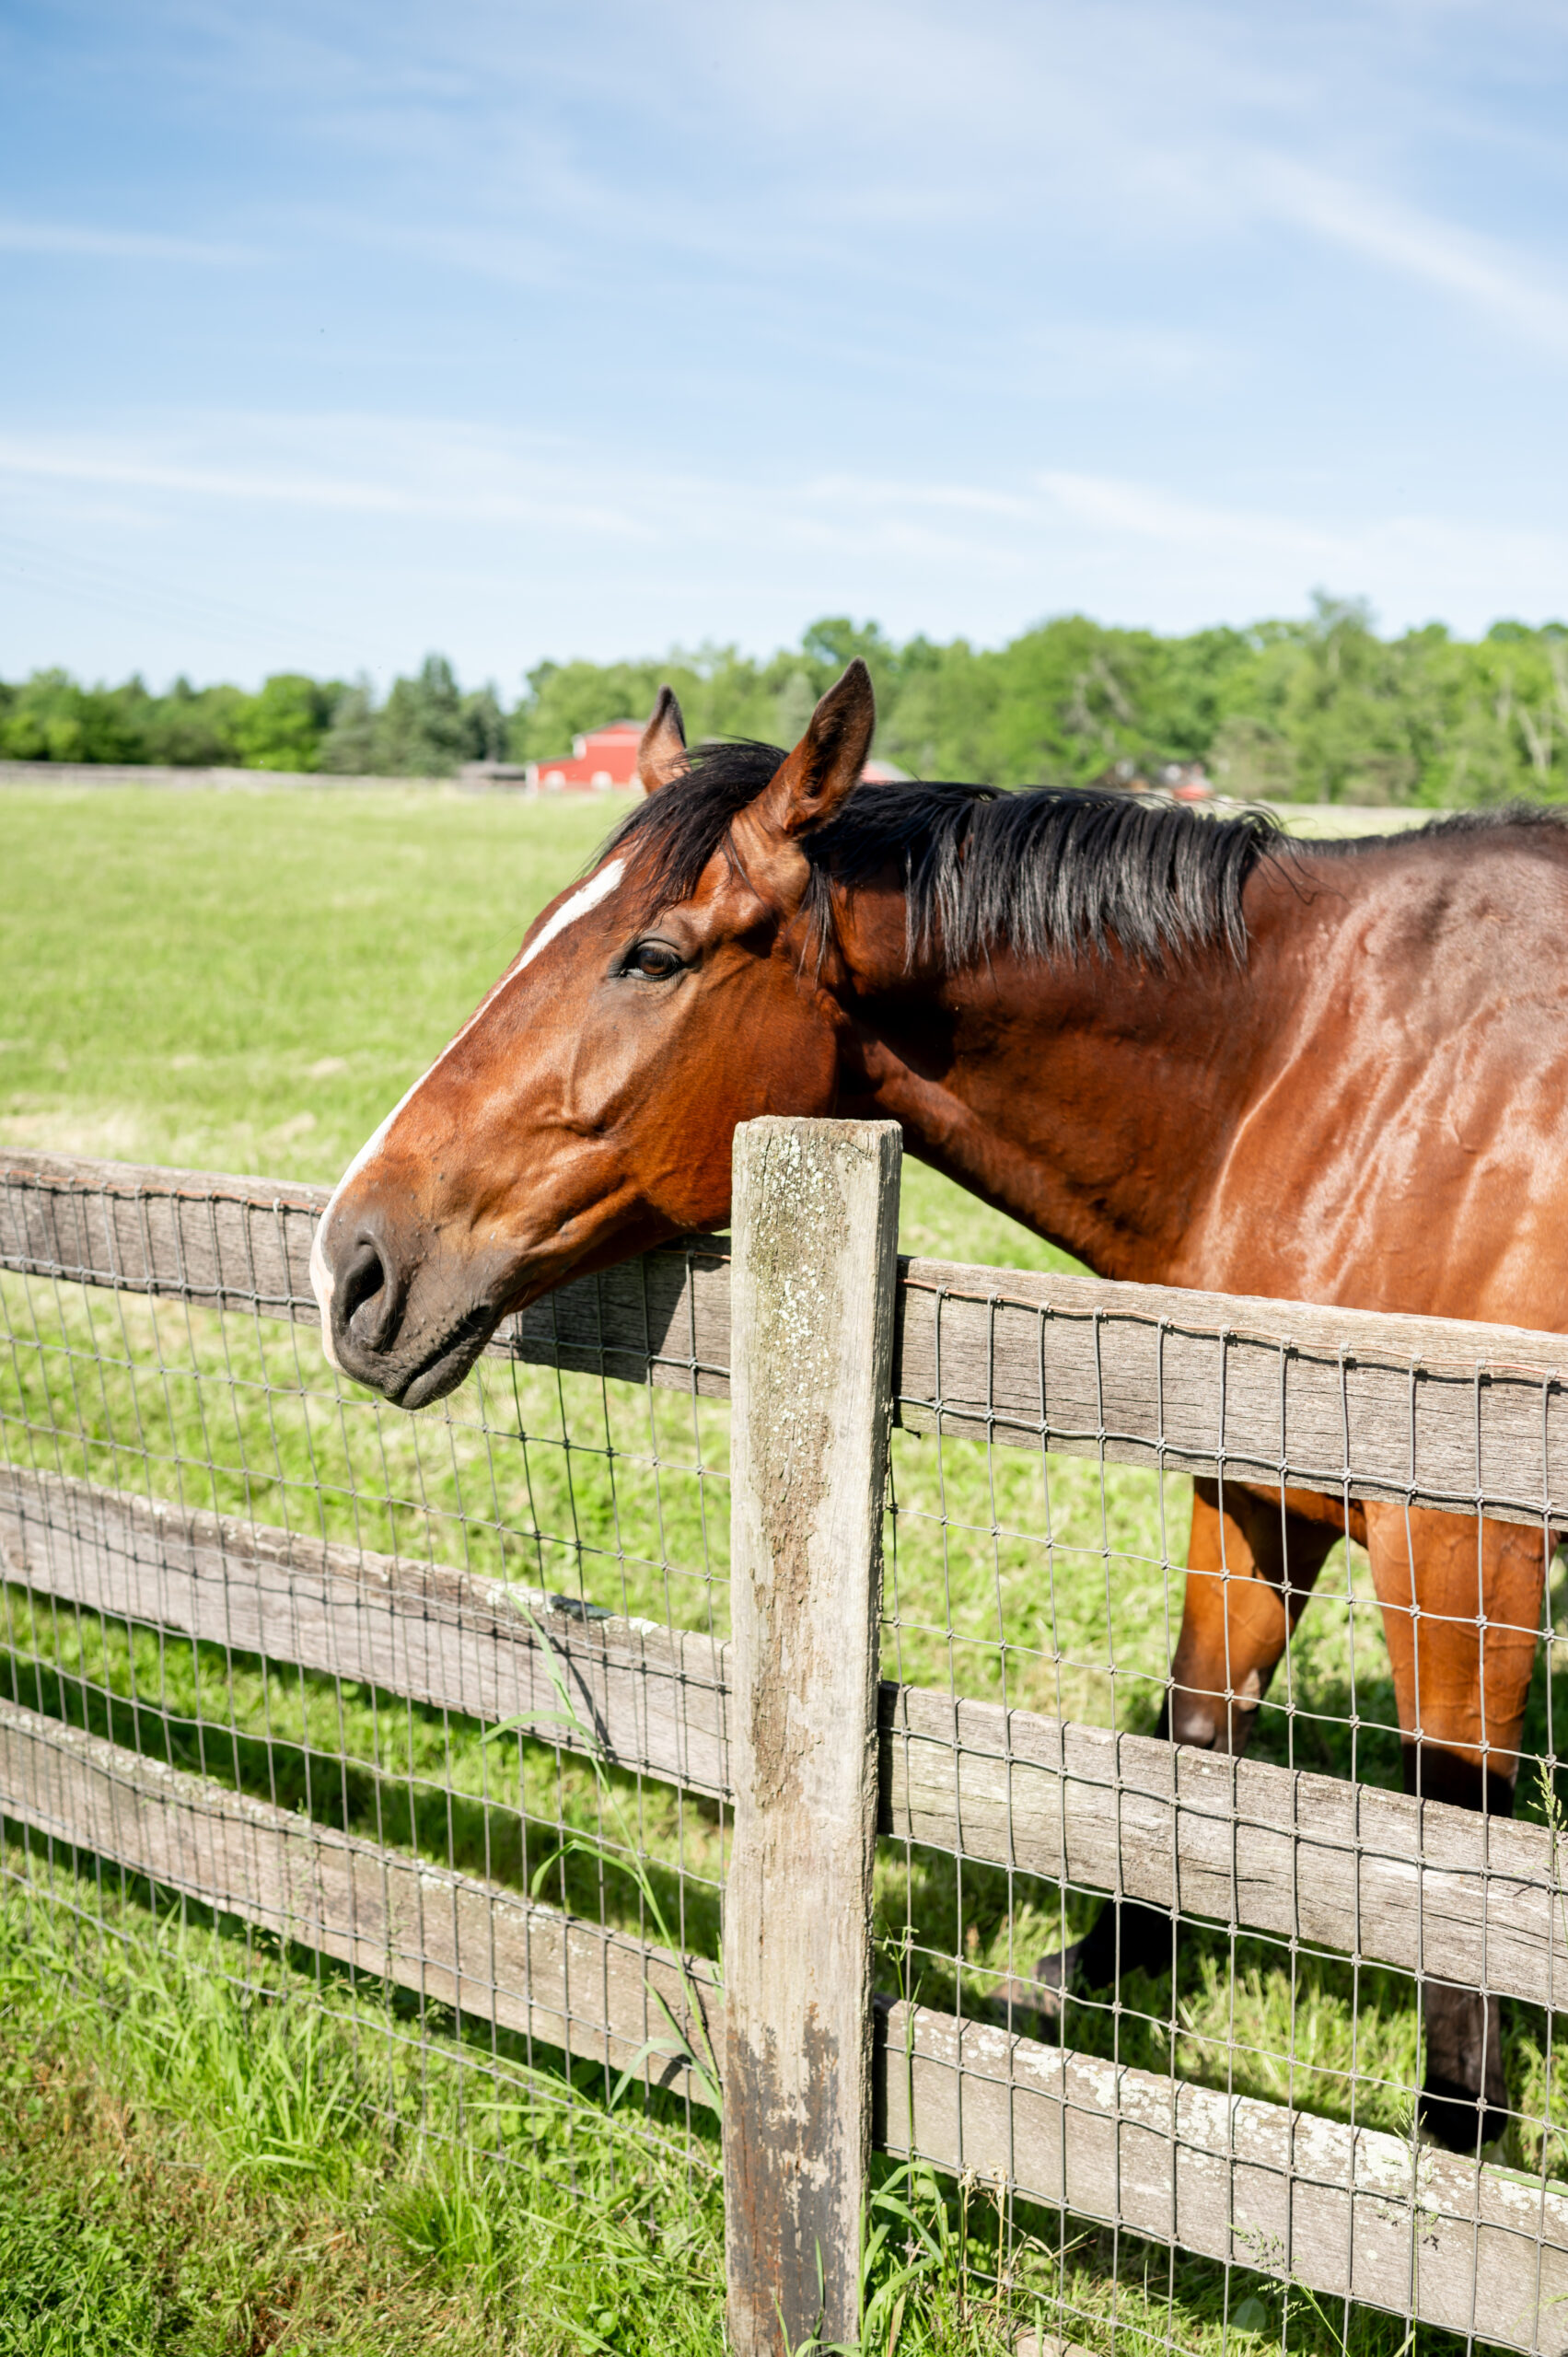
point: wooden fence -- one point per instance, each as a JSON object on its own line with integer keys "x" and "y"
{"x": 827, "y": 1338}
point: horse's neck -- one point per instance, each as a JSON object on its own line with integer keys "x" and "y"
{"x": 1095, "y": 1101}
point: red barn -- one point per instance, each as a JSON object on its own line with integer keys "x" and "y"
{"x": 608, "y": 757}
{"x": 604, "y": 757}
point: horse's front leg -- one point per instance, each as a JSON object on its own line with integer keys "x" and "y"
{"x": 1461, "y": 1626}
{"x": 1251, "y": 1562}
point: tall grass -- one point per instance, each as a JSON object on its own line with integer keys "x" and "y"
{"x": 237, "y": 2153}
{"x": 211, "y": 2151}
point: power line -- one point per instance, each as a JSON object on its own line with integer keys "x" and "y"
{"x": 99, "y": 581}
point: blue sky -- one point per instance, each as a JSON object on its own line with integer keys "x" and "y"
{"x": 335, "y": 333}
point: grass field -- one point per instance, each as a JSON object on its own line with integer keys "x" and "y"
{"x": 246, "y": 981}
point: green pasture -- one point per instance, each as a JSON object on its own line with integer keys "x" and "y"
{"x": 246, "y": 981}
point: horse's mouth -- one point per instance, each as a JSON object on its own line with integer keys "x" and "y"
{"x": 414, "y": 1371}
{"x": 443, "y": 1366}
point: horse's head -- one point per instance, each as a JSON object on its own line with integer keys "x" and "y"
{"x": 587, "y": 1110}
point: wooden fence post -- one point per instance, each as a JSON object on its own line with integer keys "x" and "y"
{"x": 815, "y": 1224}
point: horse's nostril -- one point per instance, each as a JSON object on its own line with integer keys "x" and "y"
{"x": 364, "y": 1292}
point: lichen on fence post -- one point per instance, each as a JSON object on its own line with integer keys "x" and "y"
{"x": 815, "y": 1262}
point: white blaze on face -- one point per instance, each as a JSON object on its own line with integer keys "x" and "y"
{"x": 588, "y": 896}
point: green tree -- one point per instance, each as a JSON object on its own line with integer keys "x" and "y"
{"x": 49, "y": 718}
{"x": 940, "y": 724}
{"x": 485, "y": 726}
{"x": 283, "y": 727}
{"x": 561, "y": 700}
{"x": 420, "y": 732}
{"x": 1506, "y": 732}
{"x": 792, "y": 707}
{"x": 1056, "y": 706}
{"x": 1360, "y": 712}
{"x": 194, "y": 727}
{"x": 834, "y": 642}
{"x": 348, "y": 748}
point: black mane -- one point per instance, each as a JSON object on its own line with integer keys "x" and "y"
{"x": 1549, "y": 816}
{"x": 1055, "y": 872}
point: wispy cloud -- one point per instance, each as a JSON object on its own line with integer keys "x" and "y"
{"x": 1480, "y": 271}
{"x": 92, "y": 244}
{"x": 428, "y": 472}
{"x": 1351, "y": 553}
{"x": 1135, "y": 510}
{"x": 501, "y": 149}
{"x": 444, "y": 473}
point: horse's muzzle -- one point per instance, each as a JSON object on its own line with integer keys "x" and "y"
{"x": 395, "y": 1315}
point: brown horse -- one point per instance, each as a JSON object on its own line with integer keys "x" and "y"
{"x": 1179, "y": 1048}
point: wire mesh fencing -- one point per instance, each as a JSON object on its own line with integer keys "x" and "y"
{"x": 1376, "y": 1495}
{"x": 426, "y": 1721}
{"x": 343, "y": 1632}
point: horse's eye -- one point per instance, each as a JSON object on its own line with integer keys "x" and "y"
{"x": 655, "y": 961}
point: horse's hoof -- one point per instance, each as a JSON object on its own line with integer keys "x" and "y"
{"x": 1452, "y": 2116}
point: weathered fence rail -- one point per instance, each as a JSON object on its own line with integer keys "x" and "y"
{"x": 574, "y": 1984}
{"x": 655, "y": 1701}
{"x": 1232, "y": 2178}
{"x": 1307, "y": 1857}
{"x": 1429, "y": 1411}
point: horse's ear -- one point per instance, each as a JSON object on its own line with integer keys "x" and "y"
{"x": 823, "y": 770}
{"x": 662, "y": 752}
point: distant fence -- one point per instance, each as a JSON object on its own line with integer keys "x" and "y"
{"x": 180, "y": 1469}
{"x": 1301, "y": 817}
{"x": 476, "y": 777}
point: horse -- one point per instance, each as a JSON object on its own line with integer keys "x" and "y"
{"x": 1174, "y": 1044}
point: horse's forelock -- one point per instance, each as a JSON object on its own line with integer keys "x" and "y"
{"x": 667, "y": 840}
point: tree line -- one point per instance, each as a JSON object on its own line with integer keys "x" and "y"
{"x": 426, "y": 727}
{"x": 1322, "y": 709}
